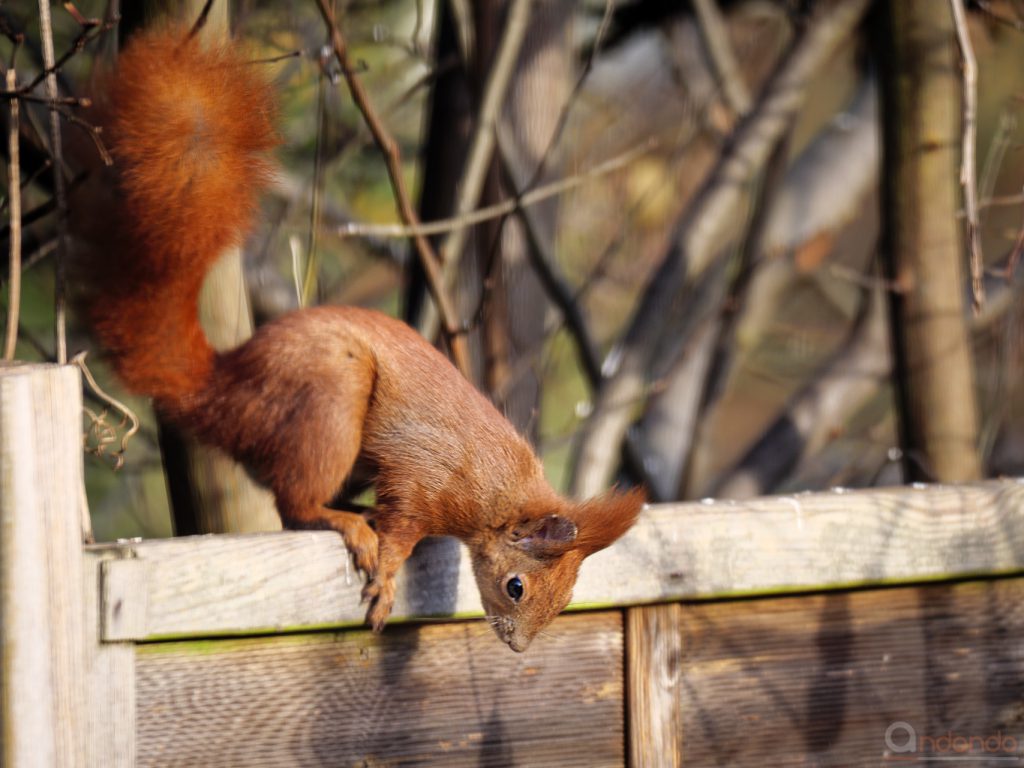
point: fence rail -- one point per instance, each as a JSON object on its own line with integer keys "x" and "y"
{"x": 244, "y": 584}
{"x": 246, "y": 650}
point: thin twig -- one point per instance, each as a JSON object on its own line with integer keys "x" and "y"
{"x": 389, "y": 148}
{"x": 200, "y": 21}
{"x": 34, "y": 257}
{"x": 51, "y": 66}
{"x": 99, "y": 425}
{"x": 504, "y": 208}
{"x": 14, "y": 206}
{"x": 311, "y": 280}
{"x": 60, "y": 192}
{"x": 967, "y": 173}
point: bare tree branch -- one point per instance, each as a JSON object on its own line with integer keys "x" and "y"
{"x": 715, "y": 34}
{"x": 970, "y": 132}
{"x": 389, "y": 148}
{"x": 818, "y": 410}
{"x": 724, "y": 347}
{"x": 699, "y": 231}
{"x": 824, "y": 189}
{"x": 496, "y": 211}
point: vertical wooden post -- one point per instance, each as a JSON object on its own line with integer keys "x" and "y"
{"x": 654, "y": 655}
{"x": 42, "y": 694}
{"x": 110, "y": 676}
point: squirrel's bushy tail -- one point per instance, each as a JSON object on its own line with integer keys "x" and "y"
{"x": 189, "y": 129}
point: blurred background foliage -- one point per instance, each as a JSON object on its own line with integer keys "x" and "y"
{"x": 631, "y": 76}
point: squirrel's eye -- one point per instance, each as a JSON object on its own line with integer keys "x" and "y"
{"x": 514, "y": 587}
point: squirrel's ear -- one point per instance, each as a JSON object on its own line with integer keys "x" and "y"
{"x": 604, "y": 519}
{"x": 545, "y": 536}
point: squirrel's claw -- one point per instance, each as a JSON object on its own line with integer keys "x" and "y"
{"x": 381, "y": 597}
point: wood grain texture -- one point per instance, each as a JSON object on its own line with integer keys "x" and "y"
{"x": 110, "y": 684}
{"x": 654, "y": 654}
{"x": 42, "y": 680}
{"x": 203, "y": 586}
{"x": 817, "y": 680}
{"x": 430, "y": 695}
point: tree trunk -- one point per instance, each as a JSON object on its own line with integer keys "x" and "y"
{"x": 923, "y": 241}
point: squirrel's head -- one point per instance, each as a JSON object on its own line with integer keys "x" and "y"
{"x": 526, "y": 572}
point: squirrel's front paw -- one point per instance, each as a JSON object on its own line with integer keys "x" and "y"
{"x": 381, "y": 597}
{"x": 362, "y": 543}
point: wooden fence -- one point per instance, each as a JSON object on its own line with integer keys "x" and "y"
{"x": 836, "y": 628}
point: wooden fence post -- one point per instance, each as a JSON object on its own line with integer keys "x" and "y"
{"x": 42, "y": 693}
{"x": 654, "y": 657}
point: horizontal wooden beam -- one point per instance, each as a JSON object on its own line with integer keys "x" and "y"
{"x": 217, "y": 585}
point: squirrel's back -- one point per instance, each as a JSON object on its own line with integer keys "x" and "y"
{"x": 189, "y": 128}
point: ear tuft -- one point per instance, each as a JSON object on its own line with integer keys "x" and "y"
{"x": 604, "y": 519}
{"x": 545, "y": 536}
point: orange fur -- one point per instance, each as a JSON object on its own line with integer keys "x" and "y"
{"x": 189, "y": 130}
{"x": 317, "y": 394}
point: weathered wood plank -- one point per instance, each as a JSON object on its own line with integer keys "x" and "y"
{"x": 261, "y": 582}
{"x": 818, "y": 680}
{"x": 432, "y": 695}
{"x": 42, "y": 681}
{"x": 654, "y": 654}
{"x": 110, "y": 684}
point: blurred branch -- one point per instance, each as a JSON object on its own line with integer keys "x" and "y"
{"x": 694, "y": 242}
{"x": 309, "y": 288}
{"x": 967, "y": 153}
{"x": 389, "y": 148}
{"x": 986, "y": 7}
{"x": 818, "y": 411}
{"x": 715, "y": 34}
{"x": 462, "y": 13}
{"x": 824, "y": 188}
{"x": 481, "y": 148}
{"x": 724, "y": 346}
{"x": 554, "y": 282}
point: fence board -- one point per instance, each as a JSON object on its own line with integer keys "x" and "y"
{"x": 442, "y": 694}
{"x": 110, "y": 680}
{"x": 654, "y": 654}
{"x": 42, "y": 680}
{"x": 264, "y": 582}
{"x": 817, "y": 680}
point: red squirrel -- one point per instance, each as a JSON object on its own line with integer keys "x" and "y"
{"x": 314, "y": 392}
